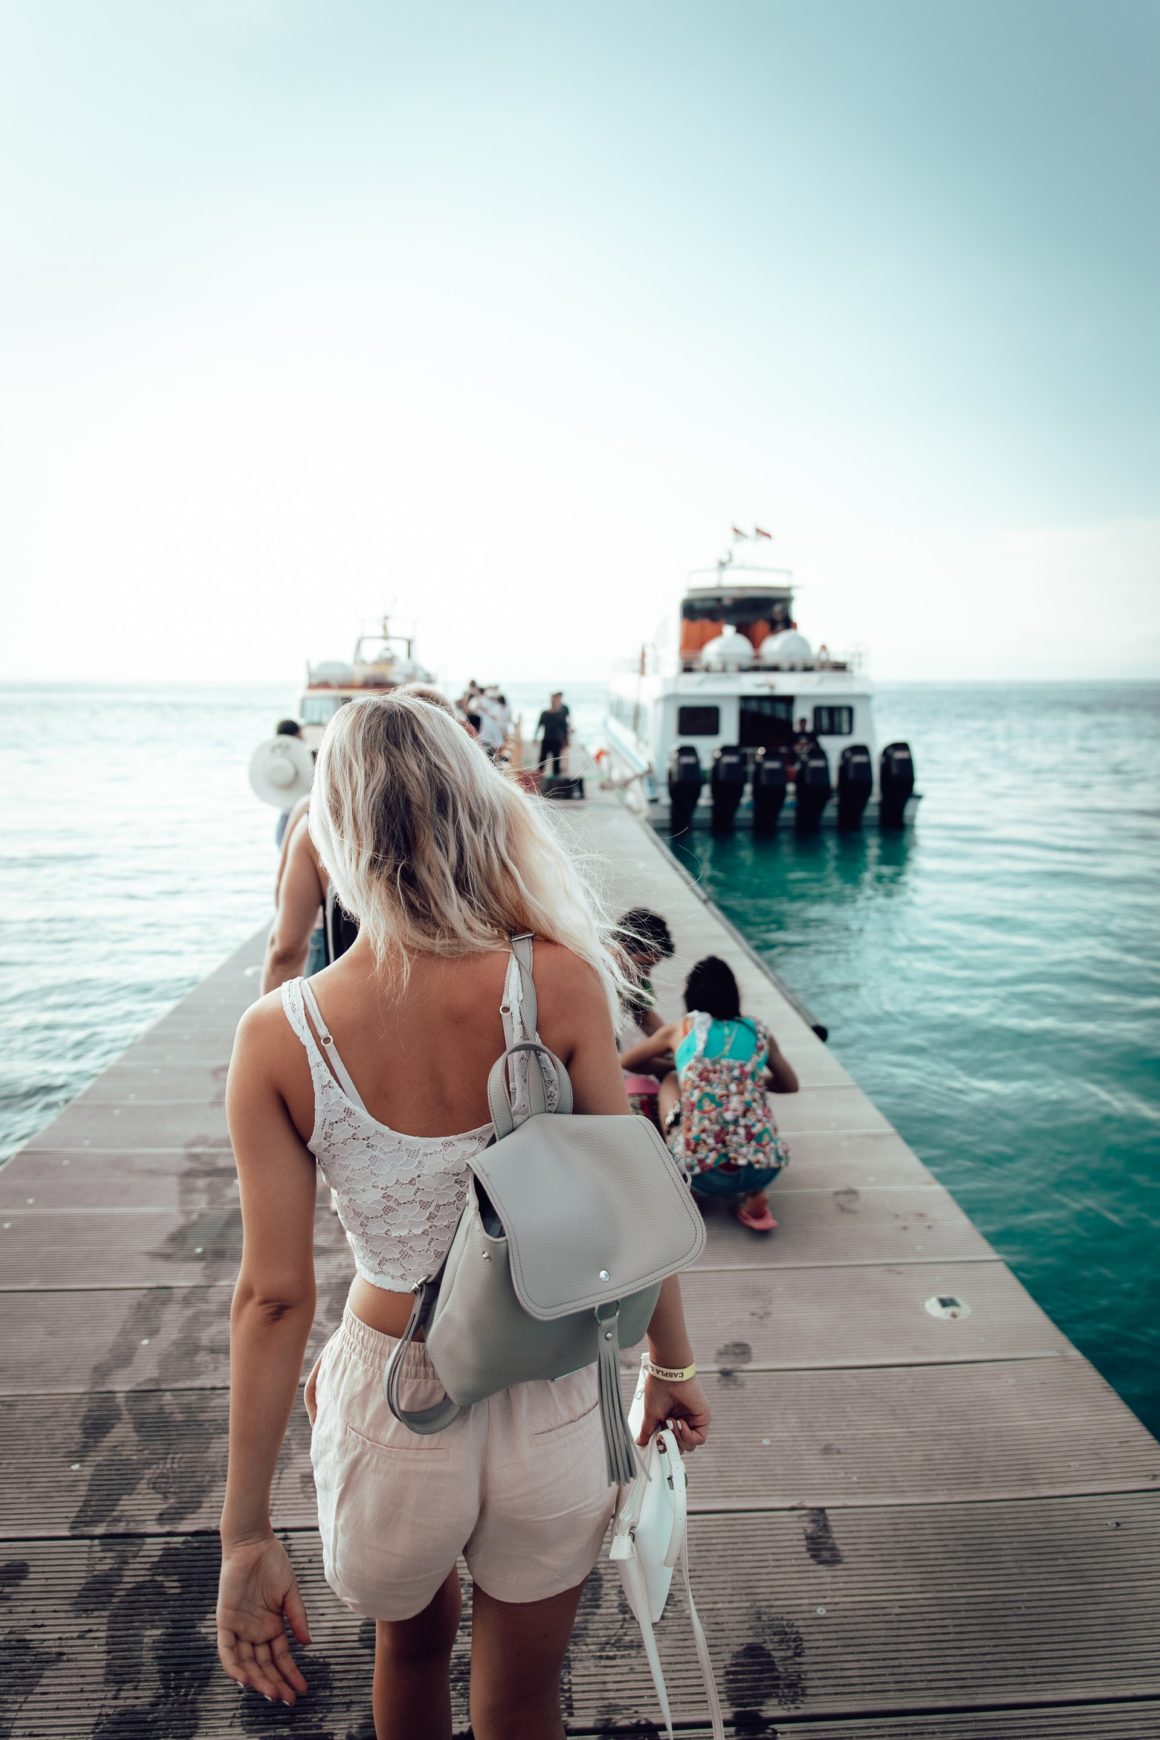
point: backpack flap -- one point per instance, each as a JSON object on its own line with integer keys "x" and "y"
{"x": 593, "y": 1208}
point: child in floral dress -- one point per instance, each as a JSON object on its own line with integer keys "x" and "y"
{"x": 714, "y": 1106}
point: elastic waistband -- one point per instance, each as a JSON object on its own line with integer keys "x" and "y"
{"x": 373, "y": 1348}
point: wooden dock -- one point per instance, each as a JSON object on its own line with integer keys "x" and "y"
{"x": 913, "y": 1521}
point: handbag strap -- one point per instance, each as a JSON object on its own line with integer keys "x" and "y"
{"x": 648, "y": 1638}
{"x": 702, "y": 1648}
{"x": 522, "y": 955}
{"x": 439, "y": 1414}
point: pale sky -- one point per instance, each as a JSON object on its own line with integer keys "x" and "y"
{"x": 502, "y": 314}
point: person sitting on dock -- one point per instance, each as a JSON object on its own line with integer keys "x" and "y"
{"x": 645, "y": 941}
{"x": 715, "y": 1106}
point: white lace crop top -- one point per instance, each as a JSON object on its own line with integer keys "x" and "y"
{"x": 398, "y": 1197}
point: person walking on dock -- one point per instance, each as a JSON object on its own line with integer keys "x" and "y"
{"x": 376, "y": 1074}
{"x": 553, "y": 730}
{"x": 714, "y": 1106}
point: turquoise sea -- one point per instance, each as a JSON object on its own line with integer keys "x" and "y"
{"x": 991, "y": 979}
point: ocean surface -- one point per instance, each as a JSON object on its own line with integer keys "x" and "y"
{"x": 991, "y": 979}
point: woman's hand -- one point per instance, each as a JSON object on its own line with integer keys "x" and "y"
{"x": 257, "y": 1593}
{"x": 684, "y": 1404}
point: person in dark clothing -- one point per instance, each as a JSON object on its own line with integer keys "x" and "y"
{"x": 553, "y": 731}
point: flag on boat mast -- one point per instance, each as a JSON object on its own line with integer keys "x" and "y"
{"x": 759, "y": 532}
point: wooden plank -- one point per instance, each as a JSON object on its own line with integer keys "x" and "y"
{"x": 851, "y": 1225}
{"x": 917, "y": 1435}
{"x": 916, "y": 1608}
{"x": 1130, "y": 1721}
{"x": 140, "y": 1082}
{"x": 200, "y": 1239}
{"x": 860, "y": 1160}
{"x": 176, "y": 1337}
{"x": 126, "y": 1338}
{"x": 835, "y": 1159}
{"x": 170, "y": 1124}
{"x": 183, "y": 1047}
{"x": 167, "y": 1179}
{"x": 86, "y": 1248}
{"x": 807, "y": 1616}
{"x": 825, "y": 1109}
{"x": 862, "y": 1316}
{"x": 154, "y": 1460}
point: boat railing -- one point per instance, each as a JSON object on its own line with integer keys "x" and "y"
{"x": 846, "y": 663}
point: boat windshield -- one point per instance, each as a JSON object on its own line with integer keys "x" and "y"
{"x": 377, "y": 649}
{"x": 754, "y": 614}
{"x": 320, "y": 709}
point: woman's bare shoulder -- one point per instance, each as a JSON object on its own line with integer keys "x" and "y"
{"x": 263, "y": 1030}
{"x": 558, "y": 968}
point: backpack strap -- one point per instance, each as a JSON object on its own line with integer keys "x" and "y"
{"x": 508, "y": 1083}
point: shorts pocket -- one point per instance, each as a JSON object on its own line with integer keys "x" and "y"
{"x": 564, "y": 1405}
{"x": 399, "y": 1445}
{"x": 562, "y": 1426}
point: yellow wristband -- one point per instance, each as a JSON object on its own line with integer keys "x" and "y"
{"x": 669, "y": 1374}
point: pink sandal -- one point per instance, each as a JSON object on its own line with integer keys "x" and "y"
{"x": 762, "y": 1221}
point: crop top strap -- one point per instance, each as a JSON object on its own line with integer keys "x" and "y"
{"x": 336, "y": 1066}
{"x": 292, "y": 1004}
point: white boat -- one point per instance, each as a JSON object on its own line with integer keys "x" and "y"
{"x": 381, "y": 660}
{"x": 732, "y": 713}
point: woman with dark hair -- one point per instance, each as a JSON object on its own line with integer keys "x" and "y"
{"x": 714, "y": 1106}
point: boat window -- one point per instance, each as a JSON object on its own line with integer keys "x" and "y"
{"x": 833, "y": 721}
{"x": 626, "y": 712}
{"x": 766, "y": 721}
{"x": 698, "y": 721}
{"x": 319, "y": 709}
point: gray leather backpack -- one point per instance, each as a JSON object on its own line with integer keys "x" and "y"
{"x": 571, "y": 1224}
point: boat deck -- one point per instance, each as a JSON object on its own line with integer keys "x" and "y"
{"x": 906, "y": 1526}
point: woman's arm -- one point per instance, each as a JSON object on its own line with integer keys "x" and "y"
{"x": 270, "y": 1321}
{"x": 664, "y": 1039}
{"x": 300, "y": 895}
{"x": 297, "y": 814}
{"x": 780, "y": 1075}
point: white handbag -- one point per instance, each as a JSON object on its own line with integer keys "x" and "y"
{"x": 649, "y": 1542}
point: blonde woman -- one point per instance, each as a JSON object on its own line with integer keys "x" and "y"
{"x": 375, "y": 1072}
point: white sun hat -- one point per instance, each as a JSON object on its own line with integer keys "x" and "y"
{"x": 282, "y": 771}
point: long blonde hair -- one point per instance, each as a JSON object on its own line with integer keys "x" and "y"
{"x": 435, "y": 851}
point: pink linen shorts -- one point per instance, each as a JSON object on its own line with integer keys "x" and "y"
{"x": 517, "y": 1484}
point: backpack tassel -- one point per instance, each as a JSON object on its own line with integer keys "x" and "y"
{"x": 619, "y": 1449}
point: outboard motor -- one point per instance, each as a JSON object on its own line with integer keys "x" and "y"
{"x": 813, "y": 790}
{"x": 855, "y": 783}
{"x": 895, "y": 784}
{"x": 684, "y": 786}
{"x": 726, "y": 785}
{"x": 769, "y": 788}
